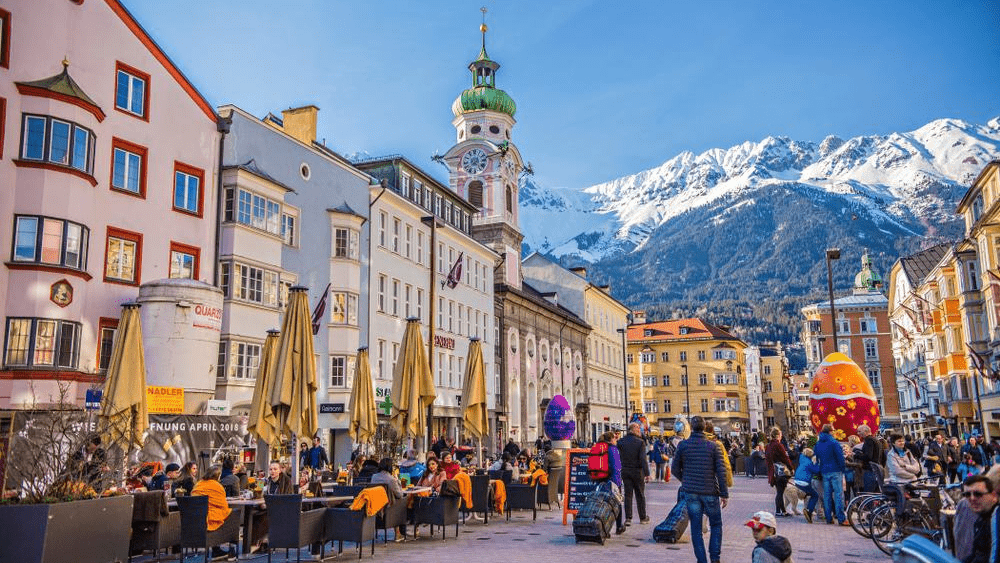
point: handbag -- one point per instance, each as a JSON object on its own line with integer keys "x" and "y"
{"x": 780, "y": 470}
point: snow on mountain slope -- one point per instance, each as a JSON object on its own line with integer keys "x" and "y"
{"x": 903, "y": 179}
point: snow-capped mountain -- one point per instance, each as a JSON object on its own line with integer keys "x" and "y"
{"x": 898, "y": 178}
{"x": 751, "y": 222}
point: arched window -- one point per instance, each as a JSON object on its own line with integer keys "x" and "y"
{"x": 510, "y": 199}
{"x": 476, "y": 194}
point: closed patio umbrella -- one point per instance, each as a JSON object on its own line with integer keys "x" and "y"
{"x": 412, "y": 384}
{"x": 261, "y": 420}
{"x": 293, "y": 392}
{"x": 364, "y": 418}
{"x": 123, "y": 415}
{"x": 475, "y": 417}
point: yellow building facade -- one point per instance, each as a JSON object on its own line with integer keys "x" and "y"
{"x": 687, "y": 367}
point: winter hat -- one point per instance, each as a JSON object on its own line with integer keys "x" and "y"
{"x": 172, "y": 467}
{"x": 761, "y": 519}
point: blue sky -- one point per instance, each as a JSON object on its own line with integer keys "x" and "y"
{"x": 603, "y": 89}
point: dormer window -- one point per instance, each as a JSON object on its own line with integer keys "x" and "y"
{"x": 684, "y": 330}
{"x": 647, "y": 332}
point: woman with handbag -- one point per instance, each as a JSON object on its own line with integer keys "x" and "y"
{"x": 779, "y": 470}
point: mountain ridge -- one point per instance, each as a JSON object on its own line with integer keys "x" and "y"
{"x": 675, "y": 237}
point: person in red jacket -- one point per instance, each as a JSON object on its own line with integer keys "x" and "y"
{"x": 775, "y": 453}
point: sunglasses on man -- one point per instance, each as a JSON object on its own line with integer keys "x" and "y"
{"x": 977, "y": 494}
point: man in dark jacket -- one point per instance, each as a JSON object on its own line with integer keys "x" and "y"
{"x": 871, "y": 452}
{"x": 512, "y": 448}
{"x": 699, "y": 465}
{"x": 935, "y": 459}
{"x": 317, "y": 458}
{"x": 982, "y": 498}
{"x": 830, "y": 458}
{"x": 635, "y": 472}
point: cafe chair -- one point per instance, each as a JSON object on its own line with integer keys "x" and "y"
{"x": 194, "y": 528}
{"x": 393, "y": 515}
{"x": 343, "y": 490}
{"x": 344, "y": 524}
{"x": 153, "y": 526}
{"x": 542, "y": 495}
{"x": 504, "y": 475}
{"x": 482, "y": 498}
{"x": 436, "y": 511}
{"x": 522, "y": 497}
{"x": 291, "y": 528}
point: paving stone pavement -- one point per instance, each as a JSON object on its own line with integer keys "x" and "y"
{"x": 547, "y": 539}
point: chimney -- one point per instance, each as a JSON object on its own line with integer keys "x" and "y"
{"x": 301, "y": 123}
{"x": 580, "y": 271}
{"x": 606, "y": 288}
{"x": 638, "y": 317}
{"x": 552, "y": 297}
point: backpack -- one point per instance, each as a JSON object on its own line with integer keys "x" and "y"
{"x": 599, "y": 462}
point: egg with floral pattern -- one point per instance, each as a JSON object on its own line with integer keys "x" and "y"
{"x": 559, "y": 421}
{"x": 840, "y": 394}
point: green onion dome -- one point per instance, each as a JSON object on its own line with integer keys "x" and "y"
{"x": 484, "y": 97}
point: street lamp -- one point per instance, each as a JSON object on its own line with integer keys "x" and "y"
{"x": 687, "y": 392}
{"x": 832, "y": 254}
{"x": 622, "y": 332}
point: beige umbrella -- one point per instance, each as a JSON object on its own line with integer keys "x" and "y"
{"x": 412, "y": 384}
{"x": 364, "y": 418}
{"x": 123, "y": 403}
{"x": 293, "y": 392}
{"x": 262, "y": 422}
{"x": 474, "y": 392}
{"x": 475, "y": 418}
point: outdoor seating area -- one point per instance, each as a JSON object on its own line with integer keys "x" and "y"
{"x": 301, "y": 527}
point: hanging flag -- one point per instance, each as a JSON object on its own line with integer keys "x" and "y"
{"x": 915, "y": 317}
{"x": 980, "y": 363}
{"x": 320, "y": 310}
{"x": 902, "y": 329}
{"x": 455, "y": 275}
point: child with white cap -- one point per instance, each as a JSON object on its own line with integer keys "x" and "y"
{"x": 770, "y": 548}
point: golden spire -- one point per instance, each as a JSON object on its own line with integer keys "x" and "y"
{"x": 65, "y": 62}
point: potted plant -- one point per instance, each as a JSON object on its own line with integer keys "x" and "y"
{"x": 62, "y": 498}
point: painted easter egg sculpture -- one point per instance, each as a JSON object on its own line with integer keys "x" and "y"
{"x": 559, "y": 421}
{"x": 842, "y": 396}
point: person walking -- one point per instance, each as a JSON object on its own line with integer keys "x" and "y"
{"x": 935, "y": 458}
{"x": 658, "y": 455}
{"x": 699, "y": 465}
{"x": 779, "y": 470}
{"x": 954, "y": 453}
{"x": 635, "y": 472}
{"x": 830, "y": 456}
{"x": 316, "y": 457}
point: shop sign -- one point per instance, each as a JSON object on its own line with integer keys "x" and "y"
{"x": 208, "y": 317}
{"x": 444, "y": 342}
{"x": 164, "y": 400}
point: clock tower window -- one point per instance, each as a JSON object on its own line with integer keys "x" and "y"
{"x": 476, "y": 193}
{"x": 510, "y": 199}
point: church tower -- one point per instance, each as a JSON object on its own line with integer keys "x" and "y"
{"x": 484, "y": 164}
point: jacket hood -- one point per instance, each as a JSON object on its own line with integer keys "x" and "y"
{"x": 778, "y": 546}
{"x": 825, "y": 437}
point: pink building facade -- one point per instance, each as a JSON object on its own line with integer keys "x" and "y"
{"x": 108, "y": 179}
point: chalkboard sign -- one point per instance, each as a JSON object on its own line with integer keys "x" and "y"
{"x": 578, "y": 482}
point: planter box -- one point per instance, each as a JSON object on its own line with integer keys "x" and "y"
{"x": 85, "y": 531}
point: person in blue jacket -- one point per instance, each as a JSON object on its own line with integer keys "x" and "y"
{"x": 830, "y": 455}
{"x": 803, "y": 480}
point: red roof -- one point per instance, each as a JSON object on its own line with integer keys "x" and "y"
{"x": 693, "y": 329}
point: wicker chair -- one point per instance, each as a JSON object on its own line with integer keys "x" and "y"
{"x": 522, "y": 497}
{"x": 482, "y": 498}
{"x": 153, "y": 530}
{"x": 194, "y": 531}
{"x": 344, "y": 524}
{"x": 290, "y": 527}
{"x": 436, "y": 511}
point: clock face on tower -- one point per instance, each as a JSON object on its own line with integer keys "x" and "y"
{"x": 474, "y": 161}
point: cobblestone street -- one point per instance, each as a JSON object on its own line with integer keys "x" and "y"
{"x": 524, "y": 540}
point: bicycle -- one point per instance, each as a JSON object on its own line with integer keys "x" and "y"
{"x": 916, "y": 510}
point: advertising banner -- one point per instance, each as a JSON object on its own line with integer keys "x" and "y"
{"x": 164, "y": 400}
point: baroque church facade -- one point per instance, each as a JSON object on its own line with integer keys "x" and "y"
{"x": 540, "y": 346}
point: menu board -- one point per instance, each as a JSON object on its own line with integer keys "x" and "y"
{"x": 578, "y": 482}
